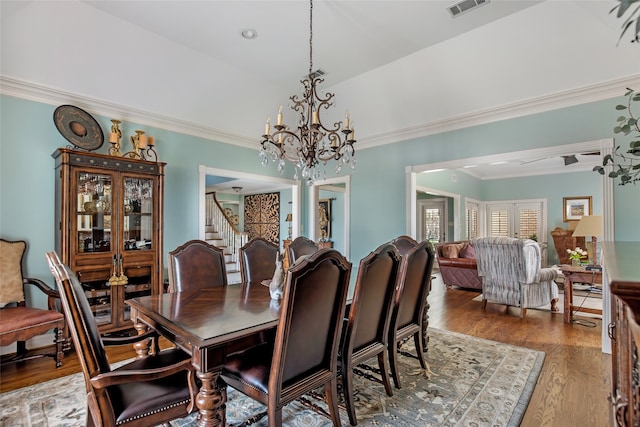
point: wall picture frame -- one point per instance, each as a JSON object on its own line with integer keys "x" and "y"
{"x": 574, "y": 208}
{"x": 324, "y": 218}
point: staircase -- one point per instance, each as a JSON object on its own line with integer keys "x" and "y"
{"x": 220, "y": 232}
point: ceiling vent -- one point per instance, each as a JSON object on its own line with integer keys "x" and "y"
{"x": 465, "y": 6}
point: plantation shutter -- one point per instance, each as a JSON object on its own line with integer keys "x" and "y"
{"x": 472, "y": 219}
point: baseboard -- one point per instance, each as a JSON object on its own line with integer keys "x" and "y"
{"x": 45, "y": 340}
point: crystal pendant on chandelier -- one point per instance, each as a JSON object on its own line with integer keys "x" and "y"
{"x": 311, "y": 144}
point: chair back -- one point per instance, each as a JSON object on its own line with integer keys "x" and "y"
{"x": 11, "y": 286}
{"x": 412, "y": 286}
{"x": 404, "y": 244}
{"x": 299, "y": 247}
{"x": 80, "y": 320}
{"x": 196, "y": 265}
{"x": 508, "y": 261}
{"x": 310, "y": 324}
{"x": 257, "y": 261}
{"x": 372, "y": 301}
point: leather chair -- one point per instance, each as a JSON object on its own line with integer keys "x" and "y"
{"x": 299, "y": 247}
{"x": 257, "y": 261}
{"x": 304, "y": 355}
{"x": 367, "y": 327}
{"x": 150, "y": 390}
{"x": 409, "y": 312}
{"x": 562, "y": 240}
{"x": 195, "y": 265}
{"x": 511, "y": 273}
{"x": 19, "y": 322}
{"x": 404, "y": 244}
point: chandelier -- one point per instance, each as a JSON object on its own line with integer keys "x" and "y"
{"x": 311, "y": 144}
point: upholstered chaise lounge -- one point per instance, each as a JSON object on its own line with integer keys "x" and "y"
{"x": 458, "y": 265}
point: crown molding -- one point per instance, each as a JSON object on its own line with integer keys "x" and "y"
{"x": 47, "y": 95}
{"x": 567, "y": 98}
{"x": 597, "y": 92}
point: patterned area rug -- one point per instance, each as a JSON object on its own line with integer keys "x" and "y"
{"x": 470, "y": 382}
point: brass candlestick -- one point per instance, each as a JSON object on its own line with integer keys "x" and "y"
{"x": 114, "y": 138}
{"x": 138, "y": 141}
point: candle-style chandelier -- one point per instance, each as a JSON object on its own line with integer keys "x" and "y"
{"x": 311, "y": 143}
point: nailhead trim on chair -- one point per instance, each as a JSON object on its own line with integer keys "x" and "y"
{"x": 152, "y": 412}
{"x": 28, "y": 327}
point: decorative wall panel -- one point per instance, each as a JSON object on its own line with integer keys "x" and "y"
{"x": 262, "y": 216}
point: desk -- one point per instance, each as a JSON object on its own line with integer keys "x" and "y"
{"x": 577, "y": 274}
{"x": 208, "y": 324}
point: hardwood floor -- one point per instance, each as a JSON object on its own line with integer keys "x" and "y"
{"x": 572, "y": 389}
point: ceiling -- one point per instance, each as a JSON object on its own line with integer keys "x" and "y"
{"x": 403, "y": 69}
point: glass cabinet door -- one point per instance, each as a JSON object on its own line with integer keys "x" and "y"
{"x": 94, "y": 211}
{"x": 138, "y": 213}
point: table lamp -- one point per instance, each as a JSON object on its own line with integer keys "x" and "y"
{"x": 590, "y": 225}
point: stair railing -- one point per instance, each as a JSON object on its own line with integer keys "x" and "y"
{"x": 215, "y": 216}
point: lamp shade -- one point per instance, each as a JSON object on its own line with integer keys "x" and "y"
{"x": 589, "y": 225}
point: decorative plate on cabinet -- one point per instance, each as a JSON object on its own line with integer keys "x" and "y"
{"x": 78, "y": 127}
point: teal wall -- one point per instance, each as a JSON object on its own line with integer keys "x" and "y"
{"x": 28, "y": 137}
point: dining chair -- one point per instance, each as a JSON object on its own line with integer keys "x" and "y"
{"x": 366, "y": 330}
{"x": 149, "y": 390}
{"x": 257, "y": 261}
{"x": 408, "y": 314}
{"x": 304, "y": 355}
{"x": 195, "y": 265}
{"x": 404, "y": 244}
{"x": 20, "y": 321}
{"x": 299, "y": 247}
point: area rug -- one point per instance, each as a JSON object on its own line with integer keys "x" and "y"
{"x": 470, "y": 382}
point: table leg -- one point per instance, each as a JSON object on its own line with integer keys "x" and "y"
{"x": 211, "y": 400}
{"x": 568, "y": 298}
{"x": 141, "y": 347}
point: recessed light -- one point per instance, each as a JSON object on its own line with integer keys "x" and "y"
{"x": 249, "y": 33}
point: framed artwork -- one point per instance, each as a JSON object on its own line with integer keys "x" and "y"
{"x": 324, "y": 218}
{"x": 575, "y": 207}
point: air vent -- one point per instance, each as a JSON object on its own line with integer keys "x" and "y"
{"x": 465, "y": 6}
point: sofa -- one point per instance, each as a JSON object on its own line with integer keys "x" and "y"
{"x": 457, "y": 264}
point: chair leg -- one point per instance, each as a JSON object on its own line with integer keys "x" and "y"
{"x": 383, "y": 365}
{"x": 347, "y": 389}
{"x": 484, "y": 303}
{"x": 331, "y": 394}
{"x": 417, "y": 339}
{"x": 275, "y": 416}
{"x": 60, "y": 340}
{"x": 524, "y": 313}
{"x": 21, "y": 349}
{"x": 393, "y": 362}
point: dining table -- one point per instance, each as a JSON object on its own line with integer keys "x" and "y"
{"x": 208, "y": 324}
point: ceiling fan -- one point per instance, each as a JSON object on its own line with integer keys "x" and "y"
{"x": 568, "y": 159}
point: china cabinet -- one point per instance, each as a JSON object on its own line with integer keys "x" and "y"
{"x": 109, "y": 217}
{"x": 621, "y": 267}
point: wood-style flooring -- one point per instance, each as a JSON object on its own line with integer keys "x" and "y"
{"x": 572, "y": 389}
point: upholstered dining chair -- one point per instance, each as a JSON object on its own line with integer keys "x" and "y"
{"x": 304, "y": 355}
{"x": 195, "y": 265}
{"x": 367, "y": 327}
{"x": 257, "y": 261}
{"x": 150, "y": 390}
{"x": 404, "y": 244}
{"x": 299, "y": 247}
{"x": 20, "y": 322}
{"x": 511, "y": 273}
{"x": 408, "y": 315}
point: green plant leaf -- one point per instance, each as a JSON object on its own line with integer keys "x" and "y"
{"x": 621, "y": 107}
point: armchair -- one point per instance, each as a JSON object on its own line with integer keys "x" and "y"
{"x": 511, "y": 273}
{"x": 19, "y": 322}
{"x": 563, "y": 239}
{"x": 148, "y": 391}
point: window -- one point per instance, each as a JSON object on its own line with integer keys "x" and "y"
{"x": 472, "y": 220}
{"x": 523, "y": 219}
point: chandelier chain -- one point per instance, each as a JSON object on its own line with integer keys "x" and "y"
{"x": 310, "y": 36}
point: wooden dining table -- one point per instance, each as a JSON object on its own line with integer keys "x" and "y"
{"x": 208, "y": 324}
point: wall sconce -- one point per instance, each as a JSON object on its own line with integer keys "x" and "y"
{"x": 289, "y": 219}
